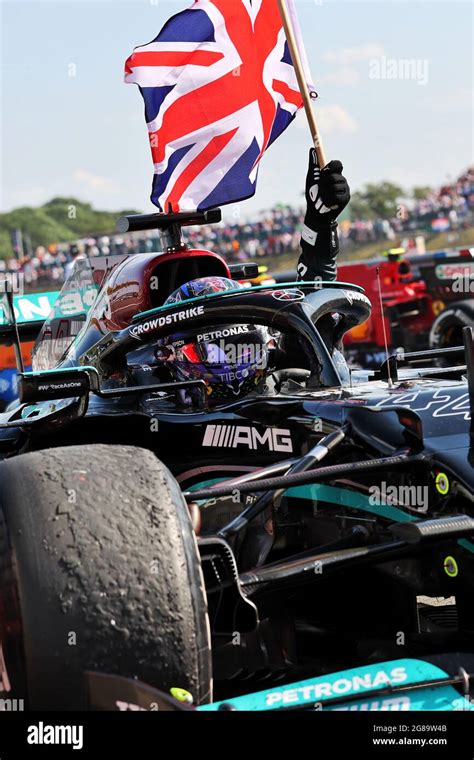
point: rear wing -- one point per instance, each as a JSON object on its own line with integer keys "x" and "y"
{"x": 448, "y": 275}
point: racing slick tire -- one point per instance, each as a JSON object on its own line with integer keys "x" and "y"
{"x": 446, "y": 330}
{"x": 99, "y": 571}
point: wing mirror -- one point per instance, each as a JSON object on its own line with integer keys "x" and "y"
{"x": 54, "y": 384}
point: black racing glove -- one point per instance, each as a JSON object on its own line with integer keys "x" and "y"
{"x": 327, "y": 194}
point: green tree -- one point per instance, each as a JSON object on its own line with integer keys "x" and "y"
{"x": 419, "y": 193}
{"x": 58, "y": 221}
{"x": 383, "y": 198}
{"x": 359, "y": 208}
{"x": 376, "y": 200}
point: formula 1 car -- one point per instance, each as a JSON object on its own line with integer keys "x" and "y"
{"x": 420, "y": 301}
{"x": 318, "y": 519}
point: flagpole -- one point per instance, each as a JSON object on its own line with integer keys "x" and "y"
{"x": 300, "y": 75}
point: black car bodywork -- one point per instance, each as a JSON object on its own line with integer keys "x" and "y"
{"x": 331, "y": 506}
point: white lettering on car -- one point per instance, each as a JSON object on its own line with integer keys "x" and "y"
{"x": 232, "y": 436}
{"x": 169, "y": 319}
{"x": 226, "y": 333}
{"x": 313, "y": 692}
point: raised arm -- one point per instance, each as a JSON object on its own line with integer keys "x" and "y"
{"x": 327, "y": 194}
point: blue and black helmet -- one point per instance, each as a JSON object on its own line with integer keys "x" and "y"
{"x": 231, "y": 359}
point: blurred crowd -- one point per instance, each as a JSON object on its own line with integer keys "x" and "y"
{"x": 449, "y": 208}
{"x": 455, "y": 201}
{"x": 274, "y": 232}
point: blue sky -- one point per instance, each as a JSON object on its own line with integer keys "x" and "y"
{"x": 85, "y": 135}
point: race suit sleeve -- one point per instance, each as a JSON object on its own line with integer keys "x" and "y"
{"x": 327, "y": 194}
{"x": 319, "y": 251}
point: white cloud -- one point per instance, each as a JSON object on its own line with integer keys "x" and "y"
{"x": 95, "y": 182}
{"x": 350, "y": 55}
{"x": 344, "y": 75}
{"x": 331, "y": 118}
{"x": 460, "y": 98}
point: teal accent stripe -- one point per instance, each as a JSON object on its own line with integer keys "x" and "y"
{"x": 205, "y": 483}
{"x": 333, "y": 495}
{"x": 357, "y": 682}
{"x": 352, "y": 499}
{"x": 466, "y": 544}
{"x": 346, "y": 498}
{"x": 53, "y": 371}
{"x": 223, "y": 294}
{"x": 318, "y": 491}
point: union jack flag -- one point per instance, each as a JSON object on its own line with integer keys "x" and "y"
{"x": 219, "y": 87}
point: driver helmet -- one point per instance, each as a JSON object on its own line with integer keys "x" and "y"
{"x": 231, "y": 359}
